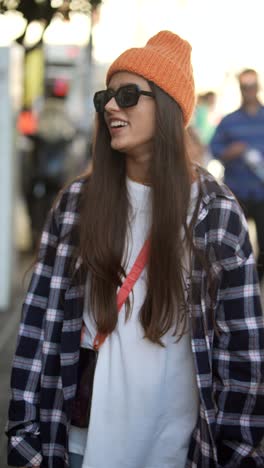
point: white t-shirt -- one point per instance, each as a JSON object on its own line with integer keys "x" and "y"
{"x": 145, "y": 397}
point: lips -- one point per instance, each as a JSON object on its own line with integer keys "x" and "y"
{"x": 117, "y": 123}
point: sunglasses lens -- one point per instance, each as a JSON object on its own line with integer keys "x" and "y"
{"x": 99, "y": 101}
{"x": 246, "y": 86}
{"x": 127, "y": 96}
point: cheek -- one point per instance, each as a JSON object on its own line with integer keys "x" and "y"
{"x": 151, "y": 120}
{"x": 150, "y": 127}
{"x": 146, "y": 124}
{"x": 143, "y": 133}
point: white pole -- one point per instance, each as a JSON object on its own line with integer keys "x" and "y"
{"x": 6, "y": 181}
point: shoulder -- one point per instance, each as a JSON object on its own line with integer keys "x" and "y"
{"x": 67, "y": 205}
{"x": 212, "y": 188}
{"x": 232, "y": 118}
{"x": 71, "y": 193}
{"x": 223, "y": 222}
{"x": 262, "y": 110}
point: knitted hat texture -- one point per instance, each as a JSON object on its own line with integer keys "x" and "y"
{"x": 165, "y": 60}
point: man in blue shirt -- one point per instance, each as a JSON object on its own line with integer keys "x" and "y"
{"x": 238, "y": 143}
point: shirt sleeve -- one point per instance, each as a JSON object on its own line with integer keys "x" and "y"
{"x": 238, "y": 354}
{"x": 23, "y": 417}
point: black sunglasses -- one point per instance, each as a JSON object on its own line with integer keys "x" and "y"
{"x": 125, "y": 96}
{"x": 245, "y": 86}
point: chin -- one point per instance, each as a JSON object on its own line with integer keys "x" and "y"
{"x": 117, "y": 145}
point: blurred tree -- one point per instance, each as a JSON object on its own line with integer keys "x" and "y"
{"x": 44, "y": 10}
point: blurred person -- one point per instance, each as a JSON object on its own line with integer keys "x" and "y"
{"x": 50, "y": 162}
{"x": 27, "y": 121}
{"x": 239, "y": 144}
{"x": 54, "y": 121}
{"x": 26, "y": 126}
{"x": 143, "y": 320}
{"x": 203, "y": 119}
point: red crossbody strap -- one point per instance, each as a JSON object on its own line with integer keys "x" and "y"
{"x": 127, "y": 287}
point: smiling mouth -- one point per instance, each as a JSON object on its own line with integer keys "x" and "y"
{"x": 117, "y": 124}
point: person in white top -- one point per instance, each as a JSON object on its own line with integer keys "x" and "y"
{"x": 145, "y": 401}
{"x": 141, "y": 343}
{"x": 145, "y": 398}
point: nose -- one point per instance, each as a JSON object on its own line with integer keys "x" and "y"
{"x": 111, "y": 105}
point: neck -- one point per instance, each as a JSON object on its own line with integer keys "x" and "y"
{"x": 252, "y": 107}
{"x": 139, "y": 181}
{"x": 138, "y": 170}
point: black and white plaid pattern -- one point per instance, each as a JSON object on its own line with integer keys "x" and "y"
{"x": 229, "y": 365}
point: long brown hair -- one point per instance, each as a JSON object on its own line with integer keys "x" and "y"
{"x": 104, "y": 223}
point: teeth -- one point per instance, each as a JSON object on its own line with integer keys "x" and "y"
{"x": 118, "y": 123}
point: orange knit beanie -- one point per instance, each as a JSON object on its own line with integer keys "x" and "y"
{"x": 165, "y": 60}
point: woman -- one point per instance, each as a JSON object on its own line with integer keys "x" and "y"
{"x": 178, "y": 378}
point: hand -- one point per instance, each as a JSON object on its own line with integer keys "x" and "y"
{"x": 234, "y": 151}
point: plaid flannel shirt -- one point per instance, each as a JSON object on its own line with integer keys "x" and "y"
{"x": 229, "y": 365}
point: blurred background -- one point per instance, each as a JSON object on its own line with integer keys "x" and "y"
{"x": 53, "y": 57}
